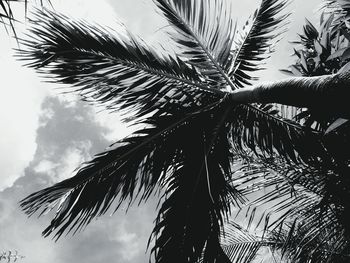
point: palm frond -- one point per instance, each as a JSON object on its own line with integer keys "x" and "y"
{"x": 6, "y": 11}
{"x": 267, "y": 134}
{"x": 278, "y": 191}
{"x": 301, "y": 209}
{"x": 6, "y": 15}
{"x": 256, "y": 45}
{"x": 162, "y": 156}
{"x": 116, "y": 71}
{"x": 131, "y": 166}
{"x": 204, "y": 34}
{"x": 239, "y": 245}
{"x": 198, "y": 195}
{"x": 316, "y": 238}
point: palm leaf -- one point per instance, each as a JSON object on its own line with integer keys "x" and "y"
{"x": 131, "y": 161}
{"x": 162, "y": 156}
{"x": 204, "y": 34}
{"x": 239, "y": 245}
{"x": 278, "y": 190}
{"x": 255, "y": 45}
{"x": 7, "y": 16}
{"x": 6, "y": 11}
{"x": 300, "y": 209}
{"x": 267, "y": 134}
{"x": 198, "y": 195}
{"x": 317, "y": 238}
{"x": 118, "y": 71}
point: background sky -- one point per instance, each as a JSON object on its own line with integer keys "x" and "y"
{"x": 44, "y": 136}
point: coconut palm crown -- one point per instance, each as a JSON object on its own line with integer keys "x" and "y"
{"x": 193, "y": 125}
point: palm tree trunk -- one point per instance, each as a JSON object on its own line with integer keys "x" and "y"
{"x": 329, "y": 93}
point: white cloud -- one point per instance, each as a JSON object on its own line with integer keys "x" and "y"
{"x": 63, "y": 168}
{"x": 47, "y": 167}
{"x": 115, "y": 129}
{"x": 98, "y": 12}
{"x": 72, "y": 158}
{"x": 21, "y": 97}
{"x": 130, "y": 241}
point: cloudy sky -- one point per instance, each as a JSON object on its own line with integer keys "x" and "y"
{"x": 45, "y": 136}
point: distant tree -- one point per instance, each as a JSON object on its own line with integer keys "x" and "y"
{"x": 9, "y": 256}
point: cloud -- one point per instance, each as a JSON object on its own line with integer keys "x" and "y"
{"x": 46, "y": 166}
{"x": 101, "y": 12}
{"x": 21, "y": 98}
{"x": 115, "y": 129}
{"x": 44, "y": 140}
{"x": 59, "y": 169}
{"x": 67, "y": 136}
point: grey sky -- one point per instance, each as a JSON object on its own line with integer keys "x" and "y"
{"x": 44, "y": 137}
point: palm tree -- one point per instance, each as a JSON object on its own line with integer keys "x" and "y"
{"x": 9, "y": 256}
{"x": 194, "y": 125}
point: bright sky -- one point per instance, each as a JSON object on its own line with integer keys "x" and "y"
{"x": 45, "y": 136}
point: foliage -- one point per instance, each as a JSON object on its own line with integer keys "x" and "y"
{"x": 302, "y": 212}
{"x": 191, "y": 139}
{"x": 9, "y": 256}
{"x": 322, "y": 51}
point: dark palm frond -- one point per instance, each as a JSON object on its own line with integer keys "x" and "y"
{"x": 5, "y": 9}
{"x": 118, "y": 71}
{"x": 288, "y": 198}
{"x": 278, "y": 191}
{"x": 198, "y": 195}
{"x": 204, "y": 34}
{"x": 267, "y": 134}
{"x": 266, "y": 26}
{"x": 317, "y": 238}
{"x": 165, "y": 156}
{"x": 129, "y": 167}
{"x": 239, "y": 245}
{"x": 6, "y": 15}
{"x": 309, "y": 36}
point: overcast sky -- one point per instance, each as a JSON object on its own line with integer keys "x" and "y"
{"x": 45, "y": 136}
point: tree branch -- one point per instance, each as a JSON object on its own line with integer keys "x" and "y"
{"x": 329, "y": 93}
